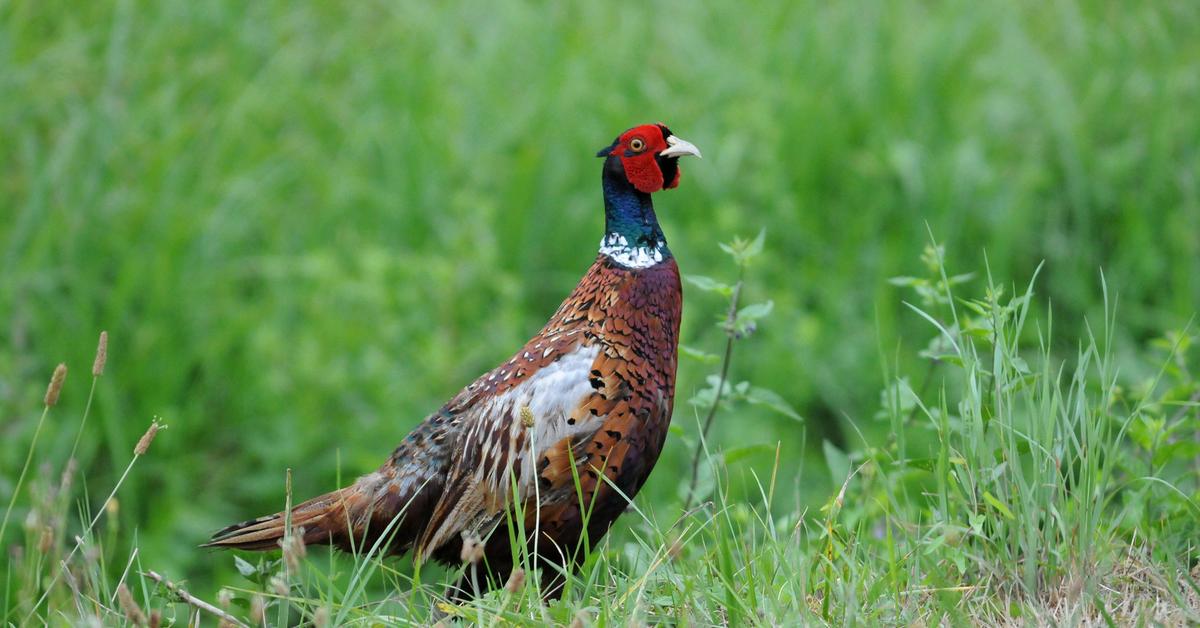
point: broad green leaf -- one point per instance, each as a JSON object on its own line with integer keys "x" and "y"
{"x": 755, "y": 311}
{"x": 740, "y": 453}
{"x": 998, "y": 505}
{"x": 838, "y": 463}
{"x": 755, "y": 246}
{"x": 761, "y": 396}
{"x": 708, "y": 284}
{"x": 1184, "y": 450}
{"x": 925, "y": 464}
{"x": 699, "y": 355}
{"x": 906, "y": 281}
{"x": 899, "y": 396}
{"x": 247, "y": 570}
{"x": 743, "y": 251}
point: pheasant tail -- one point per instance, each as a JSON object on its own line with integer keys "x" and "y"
{"x": 352, "y": 519}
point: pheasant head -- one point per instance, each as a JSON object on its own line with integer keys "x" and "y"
{"x": 640, "y": 162}
{"x": 649, "y": 156}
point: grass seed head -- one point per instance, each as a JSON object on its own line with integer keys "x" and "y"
{"x": 68, "y": 477}
{"x": 224, "y": 598}
{"x": 258, "y": 609}
{"x": 320, "y": 617}
{"x": 472, "y": 549}
{"x": 143, "y": 443}
{"x": 133, "y": 612}
{"x": 46, "y": 542}
{"x": 294, "y": 549}
{"x": 101, "y": 355}
{"x": 56, "y": 384}
{"x": 516, "y": 580}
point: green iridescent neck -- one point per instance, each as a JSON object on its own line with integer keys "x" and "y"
{"x": 632, "y": 235}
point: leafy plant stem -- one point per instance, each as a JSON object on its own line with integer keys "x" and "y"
{"x": 730, "y": 337}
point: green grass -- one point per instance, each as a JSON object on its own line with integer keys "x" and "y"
{"x": 306, "y": 226}
{"x": 1020, "y": 487}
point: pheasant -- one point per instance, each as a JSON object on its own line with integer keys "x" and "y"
{"x": 563, "y": 435}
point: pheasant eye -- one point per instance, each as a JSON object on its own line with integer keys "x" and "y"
{"x": 637, "y": 144}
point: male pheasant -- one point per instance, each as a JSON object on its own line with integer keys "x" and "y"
{"x": 593, "y": 390}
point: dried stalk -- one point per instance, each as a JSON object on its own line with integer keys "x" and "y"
{"x": 192, "y": 600}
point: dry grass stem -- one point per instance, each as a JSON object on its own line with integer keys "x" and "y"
{"x": 199, "y": 604}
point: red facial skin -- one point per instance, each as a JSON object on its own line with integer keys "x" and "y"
{"x": 641, "y": 167}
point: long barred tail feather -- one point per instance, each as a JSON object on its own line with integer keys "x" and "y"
{"x": 385, "y": 503}
{"x": 323, "y": 520}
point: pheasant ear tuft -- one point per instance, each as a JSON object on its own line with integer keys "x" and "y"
{"x": 607, "y": 150}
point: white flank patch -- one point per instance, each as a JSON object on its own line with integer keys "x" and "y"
{"x": 556, "y": 391}
{"x": 548, "y": 397}
{"x": 551, "y": 395}
{"x": 617, "y": 247}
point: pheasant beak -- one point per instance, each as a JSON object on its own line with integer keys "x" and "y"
{"x": 677, "y": 148}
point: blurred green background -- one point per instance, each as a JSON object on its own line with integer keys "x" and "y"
{"x": 305, "y": 226}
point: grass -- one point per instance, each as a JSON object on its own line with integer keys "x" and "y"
{"x": 305, "y": 221}
{"x": 1013, "y": 491}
